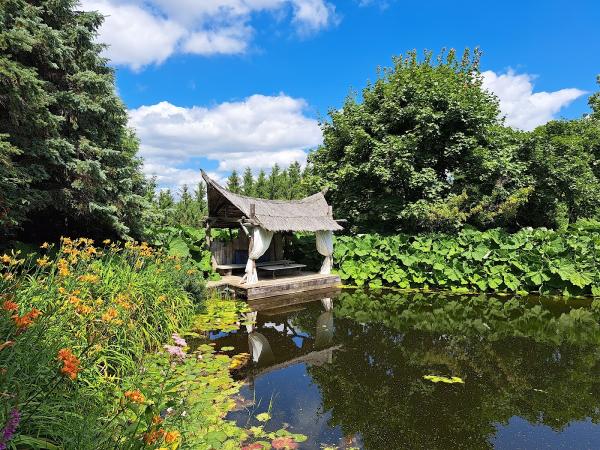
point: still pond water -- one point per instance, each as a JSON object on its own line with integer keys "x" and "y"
{"x": 349, "y": 371}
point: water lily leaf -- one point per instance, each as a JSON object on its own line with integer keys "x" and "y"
{"x": 441, "y": 379}
{"x": 263, "y": 417}
{"x": 227, "y": 349}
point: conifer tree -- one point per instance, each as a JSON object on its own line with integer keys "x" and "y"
{"x": 261, "y": 189}
{"x": 248, "y": 182}
{"x": 233, "y": 182}
{"x": 273, "y": 182}
{"x": 68, "y": 162}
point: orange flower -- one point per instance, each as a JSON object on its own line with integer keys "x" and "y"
{"x": 9, "y": 306}
{"x": 157, "y": 420}
{"x": 135, "y": 396}
{"x": 83, "y": 309}
{"x": 154, "y": 436}
{"x": 74, "y": 300}
{"x": 45, "y": 245}
{"x": 172, "y": 436}
{"x": 70, "y": 362}
{"x": 110, "y": 314}
{"x": 22, "y": 322}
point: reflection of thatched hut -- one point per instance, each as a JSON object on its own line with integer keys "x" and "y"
{"x": 262, "y": 223}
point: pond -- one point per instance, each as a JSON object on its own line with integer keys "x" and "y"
{"x": 350, "y": 371}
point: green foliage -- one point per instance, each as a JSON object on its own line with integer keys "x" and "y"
{"x": 68, "y": 161}
{"x": 531, "y": 260}
{"x": 423, "y": 149}
{"x": 286, "y": 184}
{"x": 185, "y": 242}
{"x": 233, "y": 183}
{"x": 188, "y": 209}
{"x": 563, "y": 159}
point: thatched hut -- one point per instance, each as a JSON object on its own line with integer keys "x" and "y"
{"x": 260, "y": 220}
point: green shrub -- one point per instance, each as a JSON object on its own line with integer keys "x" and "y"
{"x": 531, "y": 260}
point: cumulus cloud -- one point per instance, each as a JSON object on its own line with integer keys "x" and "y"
{"x": 257, "y": 132}
{"x": 140, "y": 32}
{"x": 522, "y": 107}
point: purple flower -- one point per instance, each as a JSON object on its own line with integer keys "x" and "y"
{"x": 179, "y": 340}
{"x": 11, "y": 426}
{"x": 175, "y": 351}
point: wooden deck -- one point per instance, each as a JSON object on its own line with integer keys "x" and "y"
{"x": 282, "y": 285}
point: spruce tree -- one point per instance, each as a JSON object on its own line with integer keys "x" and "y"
{"x": 261, "y": 189}
{"x": 294, "y": 181}
{"x": 248, "y": 182}
{"x": 233, "y": 183}
{"x": 68, "y": 161}
{"x": 200, "y": 198}
{"x": 273, "y": 182}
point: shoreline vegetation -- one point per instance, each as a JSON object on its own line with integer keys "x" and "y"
{"x": 94, "y": 352}
{"x": 539, "y": 261}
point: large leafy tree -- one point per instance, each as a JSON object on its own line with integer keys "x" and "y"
{"x": 68, "y": 161}
{"x": 419, "y": 150}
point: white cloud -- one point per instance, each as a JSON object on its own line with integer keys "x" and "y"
{"x": 135, "y": 36}
{"x": 522, "y": 107}
{"x": 141, "y": 32}
{"x": 257, "y": 132}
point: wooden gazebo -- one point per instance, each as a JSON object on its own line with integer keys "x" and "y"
{"x": 258, "y": 246}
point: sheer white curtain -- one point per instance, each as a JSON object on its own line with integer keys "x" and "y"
{"x": 325, "y": 248}
{"x": 260, "y": 239}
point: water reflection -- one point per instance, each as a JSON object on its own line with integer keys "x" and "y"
{"x": 348, "y": 371}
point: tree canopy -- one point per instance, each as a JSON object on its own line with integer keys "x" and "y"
{"x": 426, "y": 148}
{"x": 68, "y": 162}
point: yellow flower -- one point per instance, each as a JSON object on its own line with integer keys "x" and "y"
{"x": 63, "y": 267}
{"x": 45, "y": 245}
{"x": 42, "y": 262}
{"x": 89, "y": 278}
{"x": 61, "y": 290}
{"x": 106, "y": 241}
{"x": 6, "y": 259}
{"x": 110, "y": 314}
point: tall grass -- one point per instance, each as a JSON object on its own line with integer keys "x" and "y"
{"x": 77, "y": 323}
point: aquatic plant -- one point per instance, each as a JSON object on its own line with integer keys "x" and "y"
{"x": 530, "y": 260}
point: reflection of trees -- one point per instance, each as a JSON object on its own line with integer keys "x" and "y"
{"x": 374, "y": 385}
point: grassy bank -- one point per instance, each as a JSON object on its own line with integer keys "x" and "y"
{"x": 531, "y": 260}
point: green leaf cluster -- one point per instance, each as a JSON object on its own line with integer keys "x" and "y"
{"x": 531, "y": 260}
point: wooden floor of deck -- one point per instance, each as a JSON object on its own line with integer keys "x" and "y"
{"x": 282, "y": 285}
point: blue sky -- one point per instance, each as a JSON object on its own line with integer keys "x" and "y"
{"x": 221, "y": 84}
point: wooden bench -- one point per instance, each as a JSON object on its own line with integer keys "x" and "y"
{"x": 280, "y": 267}
{"x": 227, "y": 269}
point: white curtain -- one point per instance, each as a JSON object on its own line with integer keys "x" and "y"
{"x": 260, "y": 239}
{"x": 325, "y": 248}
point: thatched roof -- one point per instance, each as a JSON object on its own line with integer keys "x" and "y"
{"x": 227, "y": 210}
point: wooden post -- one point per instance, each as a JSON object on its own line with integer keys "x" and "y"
{"x": 252, "y": 210}
{"x": 330, "y": 211}
{"x": 208, "y": 239}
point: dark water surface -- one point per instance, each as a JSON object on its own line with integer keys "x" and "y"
{"x": 349, "y": 372}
